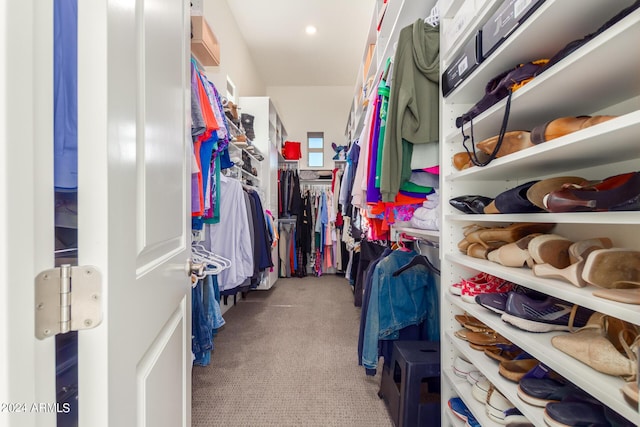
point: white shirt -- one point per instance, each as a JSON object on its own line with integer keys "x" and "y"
{"x": 230, "y": 237}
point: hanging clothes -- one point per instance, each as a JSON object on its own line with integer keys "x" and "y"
{"x": 397, "y": 302}
{"x": 233, "y": 227}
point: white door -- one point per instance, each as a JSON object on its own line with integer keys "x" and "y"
{"x": 27, "y": 365}
{"x": 134, "y": 178}
{"x": 133, "y": 197}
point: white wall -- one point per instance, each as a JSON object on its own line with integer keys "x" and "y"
{"x": 314, "y": 109}
{"x": 235, "y": 60}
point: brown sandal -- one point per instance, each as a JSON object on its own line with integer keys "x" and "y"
{"x": 514, "y": 370}
{"x": 469, "y": 322}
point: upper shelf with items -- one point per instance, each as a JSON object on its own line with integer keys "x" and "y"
{"x": 204, "y": 43}
{"x": 544, "y": 34}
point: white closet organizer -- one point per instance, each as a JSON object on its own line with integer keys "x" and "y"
{"x": 601, "y": 77}
{"x": 270, "y": 133}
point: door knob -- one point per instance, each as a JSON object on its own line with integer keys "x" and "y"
{"x": 193, "y": 268}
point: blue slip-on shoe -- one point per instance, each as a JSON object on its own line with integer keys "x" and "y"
{"x": 549, "y": 314}
{"x": 561, "y": 414}
{"x": 540, "y": 391}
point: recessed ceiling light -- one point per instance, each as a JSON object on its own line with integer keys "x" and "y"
{"x": 310, "y": 29}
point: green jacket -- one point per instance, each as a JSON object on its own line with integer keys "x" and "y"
{"x": 413, "y": 116}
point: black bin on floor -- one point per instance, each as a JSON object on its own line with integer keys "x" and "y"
{"x": 410, "y": 384}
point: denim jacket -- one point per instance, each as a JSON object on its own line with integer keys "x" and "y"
{"x": 398, "y": 302}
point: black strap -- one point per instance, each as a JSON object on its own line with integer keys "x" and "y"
{"x": 503, "y": 128}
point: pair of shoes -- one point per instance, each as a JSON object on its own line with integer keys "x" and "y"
{"x": 546, "y": 315}
{"x": 499, "y": 409}
{"x": 492, "y": 285}
{"x": 480, "y": 280}
{"x": 515, "y": 254}
{"x": 564, "y": 126}
{"x": 506, "y": 234}
{"x": 607, "y": 344}
{"x": 577, "y": 254}
{"x": 483, "y": 340}
{"x": 470, "y": 204}
{"x": 540, "y": 391}
{"x": 513, "y": 200}
{"x": 504, "y": 352}
{"x": 514, "y": 370}
{"x": 582, "y": 410}
{"x": 512, "y": 142}
{"x": 617, "y": 271}
{"x": 462, "y": 160}
{"x": 615, "y": 193}
{"x": 497, "y": 302}
{"x": 464, "y": 369}
{"x": 460, "y": 410}
{"x": 469, "y": 322}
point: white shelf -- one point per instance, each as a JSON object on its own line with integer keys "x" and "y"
{"x": 249, "y": 174}
{"x": 599, "y": 78}
{"x": 577, "y": 150}
{"x": 539, "y": 346}
{"x": 557, "y": 288}
{"x": 564, "y": 86}
{"x": 420, "y": 233}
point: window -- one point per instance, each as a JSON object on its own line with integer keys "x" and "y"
{"x": 315, "y": 149}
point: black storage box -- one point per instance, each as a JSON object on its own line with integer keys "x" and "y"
{"x": 462, "y": 66}
{"x": 507, "y": 18}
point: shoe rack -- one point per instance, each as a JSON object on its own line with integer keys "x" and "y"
{"x": 601, "y": 77}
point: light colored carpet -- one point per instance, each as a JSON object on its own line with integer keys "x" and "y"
{"x": 288, "y": 357}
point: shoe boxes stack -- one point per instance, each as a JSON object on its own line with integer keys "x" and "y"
{"x": 509, "y": 16}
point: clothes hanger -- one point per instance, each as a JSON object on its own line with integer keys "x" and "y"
{"x": 416, "y": 260}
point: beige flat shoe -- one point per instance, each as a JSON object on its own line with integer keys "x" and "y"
{"x": 597, "y": 345}
{"x": 611, "y": 268}
{"x": 578, "y": 253}
{"x": 550, "y": 249}
{"x": 512, "y": 142}
{"x": 627, "y": 296}
{"x": 514, "y": 254}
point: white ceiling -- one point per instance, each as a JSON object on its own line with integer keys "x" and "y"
{"x": 274, "y": 31}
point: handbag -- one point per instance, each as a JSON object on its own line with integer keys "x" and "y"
{"x": 291, "y": 150}
{"x": 500, "y": 87}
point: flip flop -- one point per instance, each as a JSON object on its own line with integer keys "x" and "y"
{"x": 471, "y": 323}
{"x": 486, "y": 338}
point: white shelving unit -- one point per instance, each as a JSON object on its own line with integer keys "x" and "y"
{"x": 270, "y": 134}
{"x": 601, "y": 77}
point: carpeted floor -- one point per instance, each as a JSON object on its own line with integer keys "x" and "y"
{"x": 288, "y": 357}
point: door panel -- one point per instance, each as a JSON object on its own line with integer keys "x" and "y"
{"x": 134, "y": 192}
{"x": 27, "y": 365}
